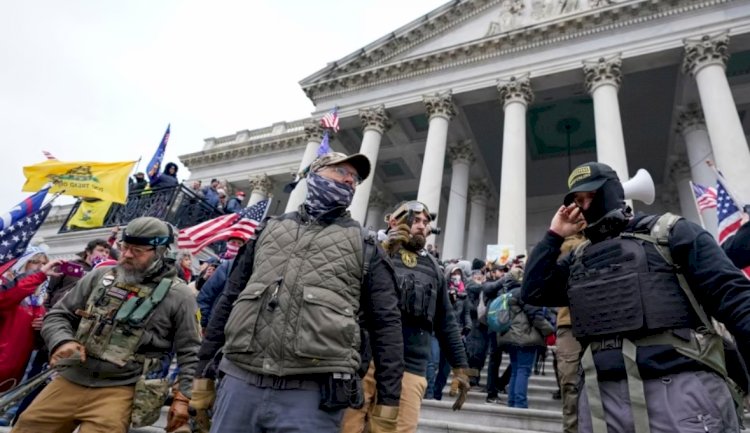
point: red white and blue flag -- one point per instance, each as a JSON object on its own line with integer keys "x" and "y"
{"x": 705, "y": 196}
{"x": 729, "y": 215}
{"x": 241, "y": 224}
{"x": 154, "y": 166}
{"x": 331, "y": 120}
{"x": 27, "y": 207}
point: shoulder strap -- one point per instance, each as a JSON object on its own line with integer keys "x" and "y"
{"x": 370, "y": 239}
{"x": 150, "y": 303}
{"x": 659, "y": 237}
{"x": 578, "y": 250}
{"x": 436, "y": 266}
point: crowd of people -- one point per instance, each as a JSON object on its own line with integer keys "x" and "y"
{"x": 318, "y": 325}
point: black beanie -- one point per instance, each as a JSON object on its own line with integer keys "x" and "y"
{"x": 477, "y": 264}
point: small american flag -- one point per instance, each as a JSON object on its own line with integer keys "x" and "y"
{"x": 730, "y": 217}
{"x": 199, "y": 236}
{"x": 331, "y": 120}
{"x": 48, "y": 155}
{"x": 705, "y": 196}
{"x": 15, "y": 237}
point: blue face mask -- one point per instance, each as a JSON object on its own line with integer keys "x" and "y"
{"x": 325, "y": 194}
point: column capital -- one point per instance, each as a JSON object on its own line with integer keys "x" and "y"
{"x": 440, "y": 105}
{"x": 461, "y": 151}
{"x": 377, "y": 200}
{"x": 704, "y": 51}
{"x": 679, "y": 170}
{"x": 375, "y": 118}
{"x": 490, "y": 215}
{"x": 605, "y": 70}
{"x": 313, "y": 131}
{"x": 478, "y": 191}
{"x": 690, "y": 119}
{"x": 516, "y": 89}
{"x": 261, "y": 183}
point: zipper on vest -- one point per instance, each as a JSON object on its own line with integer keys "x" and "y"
{"x": 273, "y": 302}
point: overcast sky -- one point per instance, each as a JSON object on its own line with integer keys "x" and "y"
{"x": 100, "y": 80}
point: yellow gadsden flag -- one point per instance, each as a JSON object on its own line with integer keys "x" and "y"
{"x": 90, "y": 214}
{"x": 103, "y": 180}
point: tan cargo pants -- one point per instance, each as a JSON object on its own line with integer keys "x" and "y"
{"x": 568, "y": 360}
{"x": 412, "y": 391}
{"x": 62, "y": 406}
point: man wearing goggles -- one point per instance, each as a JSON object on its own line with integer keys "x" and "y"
{"x": 425, "y": 309}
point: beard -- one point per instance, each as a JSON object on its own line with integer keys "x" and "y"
{"x": 131, "y": 273}
{"x": 415, "y": 243}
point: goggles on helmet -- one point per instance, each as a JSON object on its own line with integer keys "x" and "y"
{"x": 411, "y": 208}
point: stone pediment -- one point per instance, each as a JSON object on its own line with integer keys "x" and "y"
{"x": 474, "y": 30}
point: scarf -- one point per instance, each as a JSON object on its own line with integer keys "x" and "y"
{"x": 325, "y": 194}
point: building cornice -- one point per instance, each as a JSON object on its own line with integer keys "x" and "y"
{"x": 577, "y": 25}
{"x": 244, "y": 149}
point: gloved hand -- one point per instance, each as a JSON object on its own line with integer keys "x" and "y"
{"x": 70, "y": 349}
{"x": 178, "y": 413}
{"x": 204, "y": 396}
{"x": 399, "y": 235}
{"x": 384, "y": 419}
{"x": 460, "y": 381}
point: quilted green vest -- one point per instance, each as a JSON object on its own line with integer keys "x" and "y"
{"x": 298, "y": 312}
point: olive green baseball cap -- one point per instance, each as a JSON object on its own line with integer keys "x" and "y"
{"x": 588, "y": 177}
{"x": 359, "y": 161}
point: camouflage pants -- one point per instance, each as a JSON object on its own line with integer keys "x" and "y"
{"x": 568, "y": 372}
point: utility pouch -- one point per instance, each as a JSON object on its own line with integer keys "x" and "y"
{"x": 149, "y": 397}
{"x": 357, "y": 395}
{"x": 335, "y": 393}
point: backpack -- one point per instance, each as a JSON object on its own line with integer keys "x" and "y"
{"x": 499, "y": 316}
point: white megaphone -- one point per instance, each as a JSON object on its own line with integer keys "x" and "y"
{"x": 640, "y": 187}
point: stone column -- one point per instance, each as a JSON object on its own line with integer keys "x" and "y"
{"x": 440, "y": 110}
{"x": 692, "y": 126}
{"x": 313, "y": 135}
{"x": 603, "y": 79}
{"x": 376, "y": 211}
{"x": 679, "y": 172}
{"x": 261, "y": 188}
{"x": 705, "y": 59}
{"x": 462, "y": 157}
{"x": 478, "y": 194}
{"x": 516, "y": 95}
{"x": 375, "y": 122}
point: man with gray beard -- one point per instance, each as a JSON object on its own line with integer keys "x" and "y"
{"x": 109, "y": 332}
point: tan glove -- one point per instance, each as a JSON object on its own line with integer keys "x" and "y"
{"x": 384, "y": 419}
{"x": 178, "y": 412}
{"x": 204, "y": 393}
{"x": 69, "y": 350}
{"x": 398, "y": 236}
{"x": 460, "y": 381}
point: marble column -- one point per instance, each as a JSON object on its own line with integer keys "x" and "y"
{"x": 603, "y": 78}
{"x": 706, "y": 59}
{"x": 375, "y": 122}
{"x": 313, "y": 135}
{"x": 476, "y": 244}
{"x": 440, "y": 110}
{"x": 679, "y": 172}
{"x": 692, "y": 126}
{"x": 261, "y": 188}
{"x": 376, "y": 211}
{"x": 516, "y": 95}
{"x": 461, "y": 157}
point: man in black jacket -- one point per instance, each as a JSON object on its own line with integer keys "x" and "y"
{"x": 287, "y": 318}
{"x": 425, "y": 309}
{"x": 635, "y": 313}
{"x": 737, "y": 246}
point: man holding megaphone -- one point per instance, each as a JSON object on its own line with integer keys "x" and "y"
{"x": 641, "y": 290}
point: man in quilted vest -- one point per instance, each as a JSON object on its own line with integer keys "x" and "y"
{"x": 290, "y": 314}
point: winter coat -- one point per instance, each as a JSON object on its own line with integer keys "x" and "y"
{"x": 462, "y": 310}
{"x": 528, "y": 326}
{"x": 166, "y": 180}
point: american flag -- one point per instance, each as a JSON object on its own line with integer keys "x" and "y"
{"x": 729, "y": 215}
{"x": 705, "y": 196}
{"x": 48, "y": 155}
{"x": 27, "y": 207}
{"x": 199, "y": 236}
{"x": 331, "y": 120}
{"x": 16, "y": 237}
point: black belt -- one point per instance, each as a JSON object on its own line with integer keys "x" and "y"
{"x": 278, "y": 382}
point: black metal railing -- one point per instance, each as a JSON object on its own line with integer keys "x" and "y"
{"x": 178, "y": 205}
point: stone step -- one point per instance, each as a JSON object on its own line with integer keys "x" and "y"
{"x": 435, "y": 426}
{"x": 536, "y": 400}
{"x": 493, "y": 415}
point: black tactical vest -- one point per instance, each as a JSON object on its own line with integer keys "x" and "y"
{"x": 418, "y": 288}
{"x": 623, "y": 287}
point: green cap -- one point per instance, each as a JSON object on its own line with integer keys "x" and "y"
{"x": 148, "y": 231}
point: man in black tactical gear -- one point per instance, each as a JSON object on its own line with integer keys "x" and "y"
{"x": 425, "y": 308}
{"x": 640, "y": 292}
{"x": 288, "y": 317}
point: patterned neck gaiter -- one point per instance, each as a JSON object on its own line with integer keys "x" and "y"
{"x": 325, "y": 194}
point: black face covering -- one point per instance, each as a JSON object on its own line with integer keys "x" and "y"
{"x": 607, "y": 214}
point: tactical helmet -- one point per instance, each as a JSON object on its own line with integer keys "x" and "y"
{"x": 148, "y": 231}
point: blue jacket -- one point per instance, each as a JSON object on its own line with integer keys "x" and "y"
{"x": 212, "y": 289}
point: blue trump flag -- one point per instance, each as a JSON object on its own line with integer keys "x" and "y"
{"x": 324, "y": 146}
{"x": 153, "y": 167}
{"x": 27, "y": 207}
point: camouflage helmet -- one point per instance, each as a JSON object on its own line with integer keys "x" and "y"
{"x": 148, "y": 231}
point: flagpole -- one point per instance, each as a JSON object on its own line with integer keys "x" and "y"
{"x": 695, "y": 202}
{"x": 53, "y": 198}
{"x": 727, "y": 188}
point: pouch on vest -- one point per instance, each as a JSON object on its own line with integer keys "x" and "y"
{"x": 499, "y": 315}
{"x": 149, "y": 397}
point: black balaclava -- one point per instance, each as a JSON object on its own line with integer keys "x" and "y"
{"x": 607, "y": 214}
